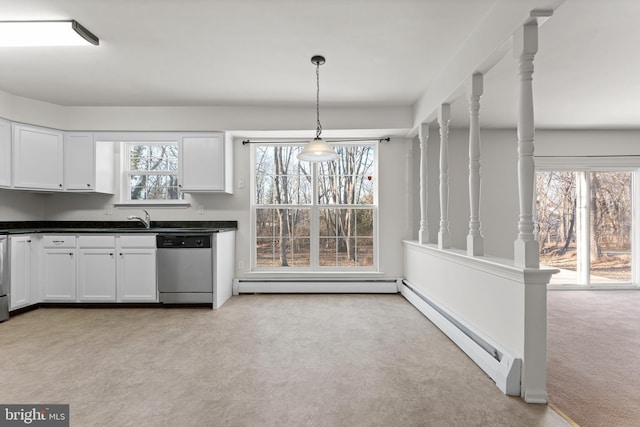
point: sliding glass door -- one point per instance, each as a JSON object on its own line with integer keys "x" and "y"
{"x": 585, "y": 225}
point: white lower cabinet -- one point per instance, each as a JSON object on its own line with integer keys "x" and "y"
{"x": 58, "y": 268}
{"x": 59, "y": 275}
{"x": 108, "y": 268}
{"x": 20, "y": 270}
{"x": 137, "y": 269}
{"x": 96, "y": 275}
{"x": 135, "y": 283}
{"x": 96, "y": 268}
{"x": 121, "y": 268}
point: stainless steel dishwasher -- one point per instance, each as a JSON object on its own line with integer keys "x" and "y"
{"x": 185, "y": 268}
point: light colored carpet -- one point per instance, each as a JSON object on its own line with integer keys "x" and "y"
{"x": 261, "y": 360}
{"x": 593, "y": 373}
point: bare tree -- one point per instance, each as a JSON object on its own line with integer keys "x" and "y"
{"x": 342, "y": 182}
{"x": 556, "y": 210}
{"x": 282, "y": 198}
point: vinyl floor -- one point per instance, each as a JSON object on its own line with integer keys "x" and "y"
{"x": 260, "y": 360}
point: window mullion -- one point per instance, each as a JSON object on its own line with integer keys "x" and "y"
{"x": 315, "y": 219}
{"x": 635, "y": 230}
{"x": 583, "y": 250}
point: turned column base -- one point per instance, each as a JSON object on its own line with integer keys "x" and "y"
{"x": 475, "y": 245}
{"x": 423, "y": 237}
{"x": 526, "y": 254}
{"x": 444, "y": 240}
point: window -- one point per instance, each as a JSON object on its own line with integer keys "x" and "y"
{"x": 585, "y": 225}
{"x": 314, "y": 216}
{"x": 151, "y": 172}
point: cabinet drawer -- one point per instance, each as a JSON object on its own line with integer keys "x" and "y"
{"x": 97, "y": 242}
{"x": 146, "y": 241}
{"x": 59, "y": 241}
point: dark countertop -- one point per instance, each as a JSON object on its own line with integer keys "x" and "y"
{"x": 28, "y": 227}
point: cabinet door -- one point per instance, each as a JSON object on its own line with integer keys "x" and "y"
{"x": 97, "y": 275}
{"x": 79, "y": 161}
{"x": 59, "y": 274}
{"x": 5, "y": 153}
{"x": 20, "y": 270}
{"x": 37, "y": 158}
{"x": 137, "y": 275}
{"x": 202, "y": 163}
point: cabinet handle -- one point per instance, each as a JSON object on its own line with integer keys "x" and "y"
{"x": 120, "y": 253}
{"x": 111, "y": 254}
{"x": 60, "y": 185}
{"x": 70, "y": 253}
{"x": 88, "y": 185}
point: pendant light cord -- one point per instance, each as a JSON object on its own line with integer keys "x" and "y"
{"x": 318, "y": 125}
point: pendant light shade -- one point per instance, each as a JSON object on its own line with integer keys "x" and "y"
{"x": 317, "y": 150}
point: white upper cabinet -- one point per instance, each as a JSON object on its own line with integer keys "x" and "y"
{"x": 88, "y": 165}
{"x": 5, "y": 153}
{"x": 37, "y": 158}
{"x": 206, "y": 163}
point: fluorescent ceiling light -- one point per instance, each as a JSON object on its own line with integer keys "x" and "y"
{"x": 45, "y": 33}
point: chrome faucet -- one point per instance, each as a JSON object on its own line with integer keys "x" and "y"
{"x": 146, "y": 220}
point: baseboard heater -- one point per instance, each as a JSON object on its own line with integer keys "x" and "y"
{"x": 503, "y": 367}
{"x": 316, "y": 286}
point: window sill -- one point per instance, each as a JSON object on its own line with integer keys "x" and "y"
{"x": 154, "y": 203}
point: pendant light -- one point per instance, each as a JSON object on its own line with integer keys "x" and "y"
{"x": 317, "y": 150}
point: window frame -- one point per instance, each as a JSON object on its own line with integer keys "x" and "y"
{"x": 314, "y": 208}
{"x": 127, "y": 172}
{"x": 584, "y": 165}
{"x": 120, "y": 139}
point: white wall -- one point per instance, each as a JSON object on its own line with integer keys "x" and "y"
{"x": 235, "y": 118}
{"x": 394, "y": 216}
{"x": 587, "y": 142}
{"x": 25, "y": 110}
{"x": 21, "y": 206}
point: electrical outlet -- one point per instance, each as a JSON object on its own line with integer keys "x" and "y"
{"x": 241, "y": 184}
{"x": 108, "y": 210}
{"x": 201, "y": 210}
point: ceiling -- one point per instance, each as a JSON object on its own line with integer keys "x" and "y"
{"x": 379, "y": 53}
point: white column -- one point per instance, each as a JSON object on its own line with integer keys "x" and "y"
{"x": 525, "y": 46}
{"x": 475, "y": 240}
{"x": 423, "y": 136}
{"x": 444, "y": 237}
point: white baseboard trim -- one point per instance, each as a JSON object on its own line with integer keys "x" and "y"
{"x": 499, "y": 364}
